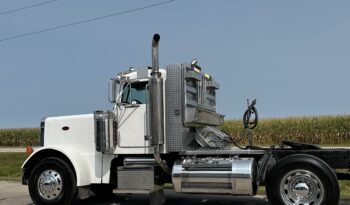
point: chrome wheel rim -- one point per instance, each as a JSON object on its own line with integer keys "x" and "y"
{"x": 50, "y": 184}
{"x": 301, "y": 187}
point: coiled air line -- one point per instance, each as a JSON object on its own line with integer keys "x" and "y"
{"x": 251, "y": 111}
{"x": 249, "y": 122}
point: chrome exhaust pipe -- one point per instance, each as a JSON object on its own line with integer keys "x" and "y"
{"x": 155, "y": 59}
{"x": 156, "y": 97}
{"x": 156, "y": 106}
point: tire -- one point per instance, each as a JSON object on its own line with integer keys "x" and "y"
{"x": 60, "y": 183}
{"x": 302, "y": 179}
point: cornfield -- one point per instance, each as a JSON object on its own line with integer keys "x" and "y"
{"x": 320, "y": 130}
{"x": 19, "y": 137}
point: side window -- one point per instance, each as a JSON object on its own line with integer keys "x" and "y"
{"x": 135, "y": 93}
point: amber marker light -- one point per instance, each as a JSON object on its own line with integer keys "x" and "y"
{"x": 29, "y": 150}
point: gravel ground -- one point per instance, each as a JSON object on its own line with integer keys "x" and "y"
{"x": 13, "y": 193}
{"x": 12, "y": 149}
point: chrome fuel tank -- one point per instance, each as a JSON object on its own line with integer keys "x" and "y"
{"x": 215, "y": 175}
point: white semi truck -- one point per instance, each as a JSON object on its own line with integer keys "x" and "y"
{"x": 163, "y": 129}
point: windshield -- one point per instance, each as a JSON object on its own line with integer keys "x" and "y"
{"x": 135, "y": 93}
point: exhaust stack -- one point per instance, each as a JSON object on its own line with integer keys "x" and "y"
{"x": 156, "y": 97}
{"x": 155, "y": 59}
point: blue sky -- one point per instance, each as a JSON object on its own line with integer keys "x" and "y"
{"x": 293, "y": 56}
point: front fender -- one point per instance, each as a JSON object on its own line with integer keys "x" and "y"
{"x": 69, "y": 154}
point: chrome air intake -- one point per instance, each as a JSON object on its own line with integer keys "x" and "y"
{"x": 215, "y": 176}
{"x": 104, "y": 131}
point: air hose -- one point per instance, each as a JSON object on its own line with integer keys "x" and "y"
{"x": 251, "y": 110}
{"x": 248, "y": 124}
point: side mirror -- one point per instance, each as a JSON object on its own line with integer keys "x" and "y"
{"x": 111, "y": 90}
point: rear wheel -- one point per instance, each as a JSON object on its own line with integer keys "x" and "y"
{"x": 302, "y": 180}
{"x": 52, "y": 181}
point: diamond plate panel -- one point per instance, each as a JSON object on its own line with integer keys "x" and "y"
{"x": 136, "y": 178}
{"x": 173, "y": 98}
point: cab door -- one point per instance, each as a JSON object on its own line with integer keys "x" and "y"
{"x": 132, "y": 116}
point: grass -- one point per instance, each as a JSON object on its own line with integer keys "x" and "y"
{"x": 344, "y": 189}
{"x": 10, "y": 166}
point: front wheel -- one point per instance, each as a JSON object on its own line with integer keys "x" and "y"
{"x": 302, "y": 180}
{"x": 52, "y": 182}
